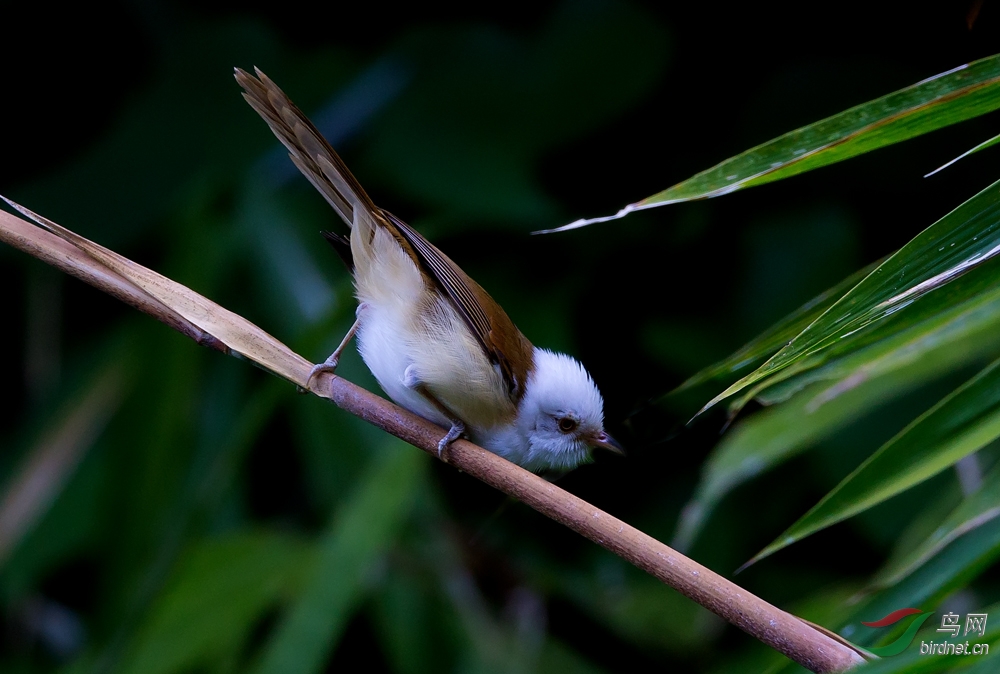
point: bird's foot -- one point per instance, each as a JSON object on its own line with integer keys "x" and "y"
{"x": 328, "y": 365}
{"x": 453, "y": 434}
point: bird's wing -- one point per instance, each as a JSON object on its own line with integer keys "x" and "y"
{"x": 502, "y": 342}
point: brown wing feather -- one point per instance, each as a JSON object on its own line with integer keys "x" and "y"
{"x": 501, "y": 340}
{"x": 499, "y": 337}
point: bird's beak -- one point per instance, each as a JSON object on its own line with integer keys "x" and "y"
{"x": 605, "y": 441}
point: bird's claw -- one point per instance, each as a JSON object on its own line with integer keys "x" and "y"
{"x": 329, "y": 365}
{"x": 453, "y": 434}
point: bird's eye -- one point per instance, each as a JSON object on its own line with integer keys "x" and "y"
{"x": 566, "y": 425}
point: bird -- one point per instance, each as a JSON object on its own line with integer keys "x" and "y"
{"x": 434, "y": 339}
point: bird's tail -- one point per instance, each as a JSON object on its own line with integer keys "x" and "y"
{"x": 306, "y": 146}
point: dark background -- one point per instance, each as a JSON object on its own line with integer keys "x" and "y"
{"x": 487, "y": 123}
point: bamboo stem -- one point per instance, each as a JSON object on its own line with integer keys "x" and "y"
{"x": 781, "y": 630}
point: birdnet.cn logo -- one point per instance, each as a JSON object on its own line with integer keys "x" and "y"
{"x": 951, "y": 643}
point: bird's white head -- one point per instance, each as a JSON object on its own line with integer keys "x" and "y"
{"x": 561, "y": 415}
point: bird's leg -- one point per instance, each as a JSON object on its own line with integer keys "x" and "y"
{"x": 457, "y": 425}
{"x": 330, "y": 364}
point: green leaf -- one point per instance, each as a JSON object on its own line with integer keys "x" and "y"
{"x": 218, "y": 592}
{"x": 956, "y": 244}
{"x": 973, "y": 512}
{"x": 958, "y": 425}
{"x": 951, "y": 97}
{"x": 779, "y": 334}
{"x": 963, "y": 310}
{"x": 982, "y": 146}
{"x": 359, "y": 534}
{"x": 938, "y": 334}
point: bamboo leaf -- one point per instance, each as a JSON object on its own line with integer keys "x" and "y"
{"x": 935, "y": 336}
{"x": 958, "y": 243}
{"x": 359, "y": 535}
{"x": 957, "y": 426}
{"x": 982, "y": 146}
{"x": 220, "y": 589}
{"x": 955, "y": 567}
{"x": 775, "y": 337}
{"x": 948, "y": 98}
{"x": 973, "y": 512}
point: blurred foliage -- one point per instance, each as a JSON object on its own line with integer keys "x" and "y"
{"x": 201, "y": 517}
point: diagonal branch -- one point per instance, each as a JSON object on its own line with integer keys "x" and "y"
{"x": 212, "y": 325}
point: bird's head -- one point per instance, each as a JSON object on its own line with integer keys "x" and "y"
{"x": 561, "y": 414}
